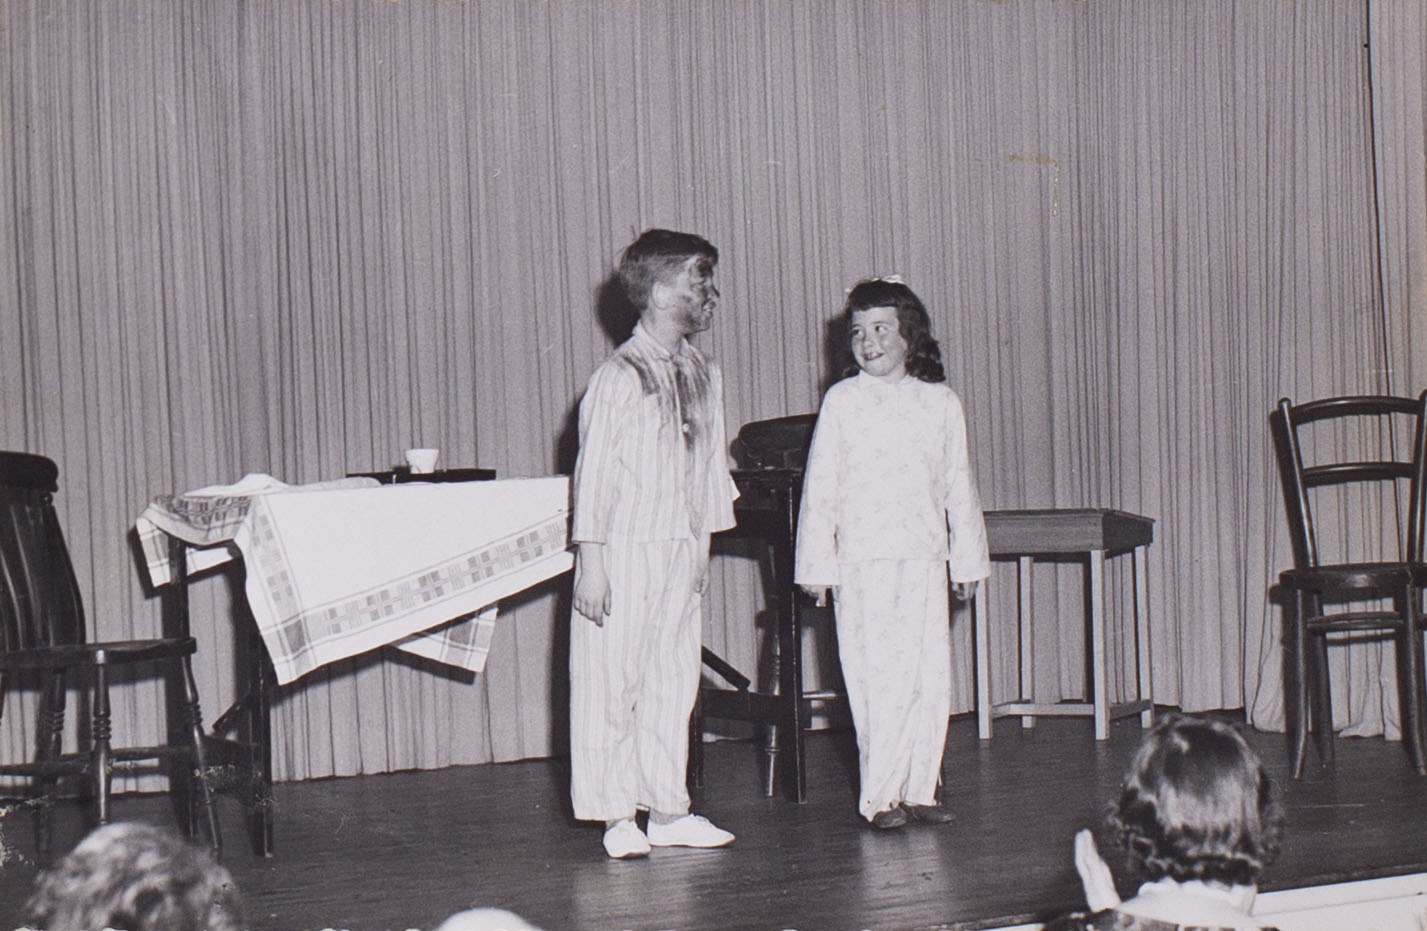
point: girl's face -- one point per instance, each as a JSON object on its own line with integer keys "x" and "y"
{"x": 877, "y": 343}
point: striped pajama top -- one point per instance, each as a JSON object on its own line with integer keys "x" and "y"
{"x": 653, "y": 461}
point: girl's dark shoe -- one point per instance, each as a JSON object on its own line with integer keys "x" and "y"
{"x": 929, "y": 814}
{"x": 891, "y": 818}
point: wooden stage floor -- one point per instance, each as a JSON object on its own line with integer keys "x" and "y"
{"x": 403, "y": 850}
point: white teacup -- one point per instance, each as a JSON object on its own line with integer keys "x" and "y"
{"x": 422, "y": 460}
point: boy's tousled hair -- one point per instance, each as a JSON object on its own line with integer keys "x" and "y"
{"x": 923, "y": 352}
{"x": 657, "y": 255}
{"x": 1197, "y": 804}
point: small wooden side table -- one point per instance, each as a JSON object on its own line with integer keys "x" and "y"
{"x": 1061, "y": 534}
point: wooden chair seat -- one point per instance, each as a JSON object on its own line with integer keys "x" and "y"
{"x": 86, "y": 654}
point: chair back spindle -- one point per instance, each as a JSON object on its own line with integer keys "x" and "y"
{"x": 1417, "y": 499}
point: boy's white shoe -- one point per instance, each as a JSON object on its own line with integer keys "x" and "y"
{"x": 624, "y": 840}
{"x": 688, "y": 831}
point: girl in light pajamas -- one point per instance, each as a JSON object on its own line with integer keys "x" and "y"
{"x": 650, "y": 485}
{"x": 888, "y": 505}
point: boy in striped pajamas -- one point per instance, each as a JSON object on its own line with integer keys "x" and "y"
{"x": 651, "y": 484}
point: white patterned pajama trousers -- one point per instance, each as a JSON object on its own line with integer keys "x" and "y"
{"x": 633, "y": 683}
{"x": 894, "y": 642}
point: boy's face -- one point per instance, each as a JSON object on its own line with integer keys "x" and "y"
{"x": 688, "y": 298}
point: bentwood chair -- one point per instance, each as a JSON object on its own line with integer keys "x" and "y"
{"x": 1354, "y": 472}
{"x": 44, "y": 645}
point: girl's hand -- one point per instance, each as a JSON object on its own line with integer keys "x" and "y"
{"x": 964, "y": 591}
{"x": 1095, "y": 877}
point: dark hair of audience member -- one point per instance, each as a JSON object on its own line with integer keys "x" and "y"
{"x": 135, "y": 877}
{"x": 1198, "y": 805}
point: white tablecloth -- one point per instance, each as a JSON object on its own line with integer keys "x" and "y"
{"x": 340, "y": 568}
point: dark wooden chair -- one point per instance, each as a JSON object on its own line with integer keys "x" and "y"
{"x": 43, "y": 626}
{"x": 778, "y": 443}
{"x": 771, "y": 455}
{"x": 1373, "y": 454}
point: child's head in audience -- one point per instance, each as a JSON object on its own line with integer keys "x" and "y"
{"x": 136, "y": 877}
{"x": 486, "y": 919}
{"x": 1198, "y": 805}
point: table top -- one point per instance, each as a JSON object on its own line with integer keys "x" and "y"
{"x": 403, "y": 474}
{"x": 1010, "y": 532}
{"x": 1035, "y": 531}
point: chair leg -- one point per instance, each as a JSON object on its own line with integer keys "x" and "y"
{"x": 1322, "y": 685}
{"x": 193, "y": 724}
{"x": 48, "y": 745}
{"x": 1410, "y": 671}
{"x": 101, "y": 754}
{"x": 1296, "y": 641}
{"x": 772, "y": 748}
{"x": 694, "y": 766}
{"x": 792, "y": 747}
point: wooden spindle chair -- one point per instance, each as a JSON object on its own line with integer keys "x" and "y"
{"x": 1375, "y": 452}
{"x": 44, "y": 643}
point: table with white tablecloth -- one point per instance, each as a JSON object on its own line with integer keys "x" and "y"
{"x": 337, "y": 569}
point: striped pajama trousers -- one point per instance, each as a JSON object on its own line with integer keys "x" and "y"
{"x": 633, "y": 683}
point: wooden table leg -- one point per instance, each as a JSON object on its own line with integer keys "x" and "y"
{"x": 979, "y": 623}
{"x": 261, "y": 816}
{"x": 1097, "y": 645}
{"x": 1025, "y": 635}
{"x": 249, "y": 756}
{"x": 1143, "y": 654}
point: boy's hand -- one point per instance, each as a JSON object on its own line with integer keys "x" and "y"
{"x": 964, "y": 591}
{"x": 592, "y": 596}
{"x": 701, "y": 568}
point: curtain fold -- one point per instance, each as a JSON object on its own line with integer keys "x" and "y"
{"x": 298, "y": 238}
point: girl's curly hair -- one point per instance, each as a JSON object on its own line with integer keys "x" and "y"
{"x": 1197, "y": 804}
{"x": 923, "y": 352}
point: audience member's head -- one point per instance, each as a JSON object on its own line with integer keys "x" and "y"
{"x": 1198, "y": 805}
{"x": 136, "y": 877}
{"x": 486, "y": 919}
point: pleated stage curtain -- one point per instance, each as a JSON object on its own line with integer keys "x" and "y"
{"x": 297, "y": 238}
